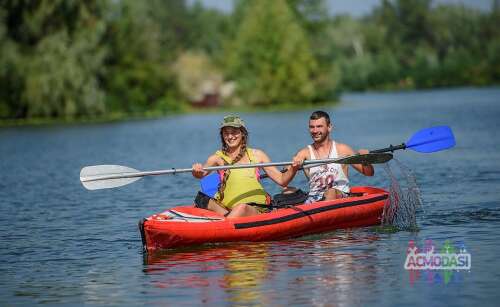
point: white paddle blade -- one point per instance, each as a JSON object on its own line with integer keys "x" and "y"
{"x": 92, "y": 176}
{"x": 108, "y": 183}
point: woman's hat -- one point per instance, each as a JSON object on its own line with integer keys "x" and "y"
{"x": 232, "y": 121}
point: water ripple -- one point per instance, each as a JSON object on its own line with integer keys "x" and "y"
{"x": 463, "y": 217}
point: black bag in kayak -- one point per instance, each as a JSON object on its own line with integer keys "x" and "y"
{"x": 283, "y": 200}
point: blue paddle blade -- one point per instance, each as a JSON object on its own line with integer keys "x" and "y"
{"x": 432, "y": 139}
{"x": 210, "y": 184}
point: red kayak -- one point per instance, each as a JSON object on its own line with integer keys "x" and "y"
{"x": 187, "y": 225}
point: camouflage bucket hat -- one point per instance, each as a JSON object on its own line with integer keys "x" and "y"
{"x": 232, "y": 121}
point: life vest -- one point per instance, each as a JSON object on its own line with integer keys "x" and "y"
{"x": 242, "y": 185}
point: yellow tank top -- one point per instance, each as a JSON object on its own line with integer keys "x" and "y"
{"x": 242, "y": 186}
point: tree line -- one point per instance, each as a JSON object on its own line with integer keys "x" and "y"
{"x": 73, "y": 59}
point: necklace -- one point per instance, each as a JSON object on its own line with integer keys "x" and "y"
{"x": 318, "y": 156}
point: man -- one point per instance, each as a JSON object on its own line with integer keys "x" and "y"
{"x": 328, "y": 181}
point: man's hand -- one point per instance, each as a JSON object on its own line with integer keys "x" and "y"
{"x": 364, "y": 152}
{"x": 297, "y": 163}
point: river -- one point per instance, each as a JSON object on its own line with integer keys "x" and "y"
{"x": 62, "y": 244}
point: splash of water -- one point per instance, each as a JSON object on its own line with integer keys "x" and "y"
{"x": 405, "y": 198}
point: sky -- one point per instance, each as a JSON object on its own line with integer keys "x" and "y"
{"x": 353, "y": 7}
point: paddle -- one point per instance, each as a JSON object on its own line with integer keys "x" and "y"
{"x": 111, "y": 176}
{"x": 426, "y": 141}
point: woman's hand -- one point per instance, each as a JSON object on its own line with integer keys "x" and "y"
{"x": 198, "y": 171}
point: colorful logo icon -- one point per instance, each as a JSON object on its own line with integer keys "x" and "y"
{"x": 449, "y": 260}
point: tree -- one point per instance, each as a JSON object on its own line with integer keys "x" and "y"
{"x": 270, "y": 57}
{"x": 409, "y": 25}
{"x": 138, "y": 78}
{"x": 53, "y": 58}
{"x": 209, "y": 30}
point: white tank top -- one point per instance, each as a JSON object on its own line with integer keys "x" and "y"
{"x": 326, "y": 176}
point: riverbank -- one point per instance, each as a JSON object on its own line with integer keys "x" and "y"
{"x": 120, "y": 116}
{"x": 187, "y": 109}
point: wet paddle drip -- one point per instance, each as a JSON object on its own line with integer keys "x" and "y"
{"x": 405, "y": 198}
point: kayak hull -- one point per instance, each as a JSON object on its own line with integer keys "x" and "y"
{"x": 187, "y": 225}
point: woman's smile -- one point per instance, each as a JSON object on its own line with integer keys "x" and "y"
{"x": 232, "y": 136}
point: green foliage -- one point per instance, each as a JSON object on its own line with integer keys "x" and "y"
{"x": 410, "y": 43}
{"x": 314, "y": 18}
{"x": 53, "y": 59}
{"x": 356, "y": 72}
{"x": 70, "y": 59}
{"x": 137, "y": 77}
{"x": 270, "y": 57}
{"x": 60, "y": 79}
{"x": 493, "y": 53}
{"x": 10, "y": 77}
{"x": 209, "y": 31}
{"x": 425, "y": 68}
{"x": 386, "y": 71}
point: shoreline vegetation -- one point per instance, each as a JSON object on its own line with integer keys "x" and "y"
{"x": 119, "y": 117}
{"x": 104, "y": 61}
{"x": 188, "y": 109}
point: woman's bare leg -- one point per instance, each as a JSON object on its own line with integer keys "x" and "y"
{"x": 243, "y": 210}
{"x": 215, "y": 207}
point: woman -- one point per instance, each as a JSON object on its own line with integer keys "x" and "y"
{"x": 240, "y": 192}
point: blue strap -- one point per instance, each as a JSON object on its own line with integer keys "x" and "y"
{"x": 209, "y": 185}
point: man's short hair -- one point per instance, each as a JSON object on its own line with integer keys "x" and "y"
{"x": 319, "y": 114}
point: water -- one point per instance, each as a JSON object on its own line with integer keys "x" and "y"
{"x": 61, "y": 244}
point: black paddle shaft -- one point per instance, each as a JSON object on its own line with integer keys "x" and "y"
{"x": 376, "y": 157}
{"x": 391, "y": 148}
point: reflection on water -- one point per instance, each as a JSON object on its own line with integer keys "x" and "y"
{"x": 245, "y": 273}
{"x": 238, "y": 270}
{"x": 258, "y": 273}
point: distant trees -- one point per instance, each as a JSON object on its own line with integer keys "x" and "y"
{"x": 270, "y": 57}
{"x": 412, "y": 44}
{"x": 51, "y": 58}
{"x": 91, "y": 58}
{"x": 137, "y": 78}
